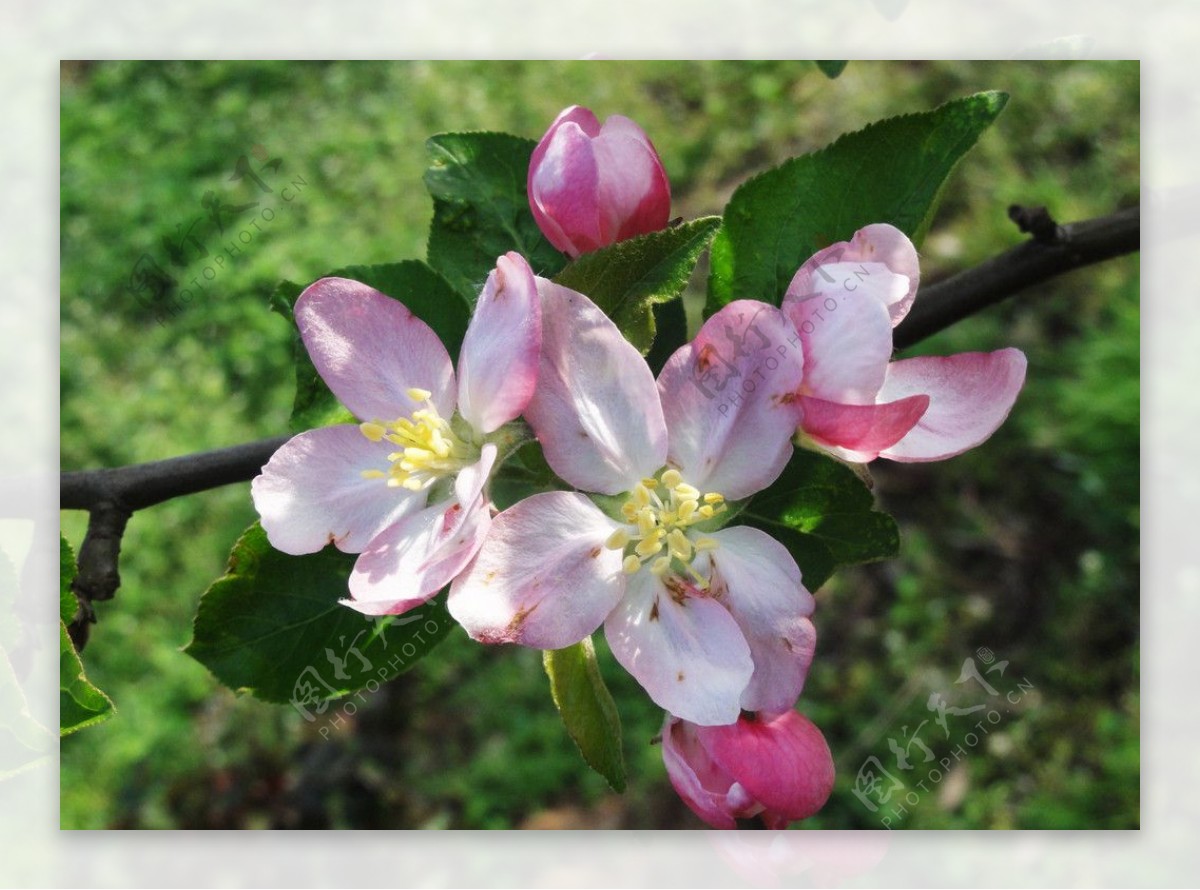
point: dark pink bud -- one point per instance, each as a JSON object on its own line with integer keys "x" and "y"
{"x": 591, "y": 185}
{"x": 776, "y": 766}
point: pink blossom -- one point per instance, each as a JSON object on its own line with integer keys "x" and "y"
{"x": 854, "y": 401}
{"x": 590, "y": 185}
{"x": 774, "y": 766}
{"x": 709, "y": 619}
{"x": 404, "y": 488}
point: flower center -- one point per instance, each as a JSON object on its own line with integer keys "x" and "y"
{"x": 660, "y": 513}
{"x": 428, "y": 447}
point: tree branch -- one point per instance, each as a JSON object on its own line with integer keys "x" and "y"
{"x": 112, "y": 495}
{"x": 1052, "y": 251}
{"x": 144, "y": 485}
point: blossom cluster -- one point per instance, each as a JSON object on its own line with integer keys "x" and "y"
{"x": 711, "y": 617}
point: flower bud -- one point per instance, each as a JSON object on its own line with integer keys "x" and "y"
{"x": 591, "y": 185}
{"x": 775, "y": 766}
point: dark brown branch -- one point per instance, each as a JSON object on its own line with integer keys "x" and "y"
{"x": 1043, "y": 257}
{"x": 144, "y": 485}
{"x": 112, "y": 495}
{"x": 98, "y": 576}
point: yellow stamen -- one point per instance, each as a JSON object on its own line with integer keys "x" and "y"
{"x": 650, "y": 545}
{"x": 427, "y": 448}
{"x": 656, "y": 533}
{"x": 617, "y": 540}
{"x": 373, "y": 431}
{"x": 685, "y": 491}
{"x": 700, "y": 580}
{"x": 679, "y": 545}
{"x": 646, "y": 521}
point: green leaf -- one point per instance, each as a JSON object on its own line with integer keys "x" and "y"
{"x": 481, "y": 209}
{"x": 824, "y": 514}
{"x": 80, "y": 703}
{"x": 587, "y": 708}
{"x": 67, "y": 604}
{"x": 414, "y": 284}
{"x": 626, "y": 279}
{"x": 831, "y": 69}
{"x": 889, "y": 172}
{"x": 273, "y": 626}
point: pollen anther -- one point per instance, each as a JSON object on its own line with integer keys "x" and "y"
{"x": 427, "y": 447}
{"x": 659, "y": 513}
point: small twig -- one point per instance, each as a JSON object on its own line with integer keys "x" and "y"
{"x": 98, "y": 577}
{"x": 1060, "y": 249}
{"x": 112, "y": 495}
{"x": 1038, "y": 222}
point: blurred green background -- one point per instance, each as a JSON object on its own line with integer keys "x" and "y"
{"x": 1028, "y": 546}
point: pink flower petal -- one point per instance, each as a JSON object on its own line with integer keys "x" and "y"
{"x": 877, "y": 243}
{"x": 847, "y": 334}
{"x": 595, "y": 409}
{"x": 867, "y": 429}
{"x": 886, "y": 244}
{"x": 585, "y": 118}
{"x": 686, "y": 651}
{"x": 543, "y": 578}
{"x": 617, "y": 126}
{"x": 727, "y": 400}
{"x": 702, "y": 784}
{"x": 563, "y": 183}
{"x": 634, "y": 193}
{"x": 759, "y": 582}
{"x": 970, "y": 394}
{"x": 497, "y": 369}
{"x": 471, "y": 480}
{"x": 411, "y": 561}
{"x": 370, "y": 350}
{"x": 782, "y": 761}
{"x": 312, "y": 493}
{"x": 551, "y": 229}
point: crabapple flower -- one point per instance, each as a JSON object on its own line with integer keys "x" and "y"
{"x": 775, "y": 766}
{"x": 591, "y": 185}
{"x": 709, "y": 620}
{"x": 405, "y": 487}
{"x": 844, "y": 303}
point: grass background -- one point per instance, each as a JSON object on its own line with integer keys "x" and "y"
{"x": 1027, "y": 545}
